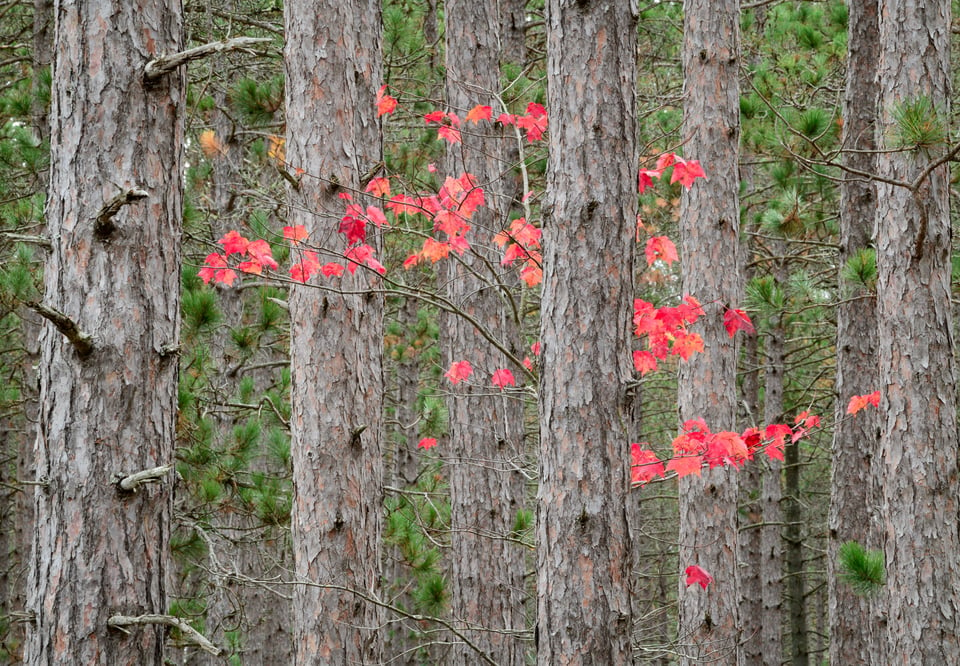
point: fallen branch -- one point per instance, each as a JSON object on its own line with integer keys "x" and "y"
{"x": 167, "y": 63}
{"x": 120, "y": 622}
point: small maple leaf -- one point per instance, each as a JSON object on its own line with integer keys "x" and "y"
{"x": 502, "y": 378}
{"x": 735, "y": 320}
{"x": 375, "y": 215}
{"x": 859, "y": 402}
{"x": 686, "y": 344}
{"x": 527, "y": 363}
{"x": 259, "y": 250}
{"x": 459, "y": 371}
{"x": 645, "y": 179}
{"x": 295, "y": 234}
{"x": 411, "y": 261}
{"x": 451, "y": 134}
{"x": 478, "y": 113}
{"x": 644, "y": 362}
{"x": 535, "y": 348}
{"x": 385, "y": 103}
{"x": 379, "y": 187}
{"x": 302, "y": 271}
{"x": 644, "y": 465}
{"x": 234, "y": 243}
{"x": 685, "y": 464}
{"x": 215, "y": 268}
{"x": 434, "y": 250}
{"x": 531, "y": 274}
{"x": 332, "y": 269}
{"x": 697, "y": 575}
{"x": 427, "y": 443}
{"x": 686, "y": 172}
{"x": 354, "y": 227}
{"x": 661, "y": 247}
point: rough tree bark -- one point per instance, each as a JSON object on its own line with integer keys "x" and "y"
{"x": 108, "y": 409}
{"x": 709, "y": 233}
{"x": 333, "y": 70}
{"x": 918, "y": 426}
{"x": 583, "y": 538}
{"x": 856, "y": 625}
{"x": 486, "y": 428}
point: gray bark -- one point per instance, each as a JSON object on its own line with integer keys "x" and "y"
{"x": 710, "y": 258}
{"x": 918, "y": 427}
{"x": 486, "y": 425}
{"x": 99, "y": 550}
{"x": 332, "y": 61}
{"x": 583, "y": 538}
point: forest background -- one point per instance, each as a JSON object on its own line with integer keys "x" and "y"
{"x": 414, "y": 400}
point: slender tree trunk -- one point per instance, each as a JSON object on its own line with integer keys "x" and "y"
{"x": 793, "y": 558}
{"x": 709, "y": 232}
{"x": 918, "y": 427}
{"x": 108, "y": 410}
{"x": 856, "y": 625}
{"x": 584, "y": 543}
{"x": 486, "y": 429}
{"x": 332, "y": 61}
{"x": 771, "y": 492}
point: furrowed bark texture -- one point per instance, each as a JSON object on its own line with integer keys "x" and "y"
{"x": 99, "y": 551}
{"x": 486, "y": 425}
{"x": 710, "y": 259}
{"x": 584, "y": 542}
{"x": 918, "y": 427}
{"x": 332, "y": 61}
{"x": 855, "y": 639}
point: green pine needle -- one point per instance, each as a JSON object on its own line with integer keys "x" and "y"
{"x": 861, "y": 569}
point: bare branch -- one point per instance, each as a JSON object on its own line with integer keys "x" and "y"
{"x": 12, "y": 237}
{"x": 82, "y": 342}
{"x": 122, "y": 621}
{"x": 167, "y": 63}
{"x": 131, "y": 482}
{"x": 104, "y": 225}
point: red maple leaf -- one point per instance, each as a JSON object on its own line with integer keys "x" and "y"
{"x": 379, "y": 187}
{"x": 644, "y": 465}
{"x": 735, "y": 320}
{"x": 215, "y": 268}
{"x": 644, "y": 362}
{"x": 332, "y": 269}
{"x": 259, "y": 251}
{"x": 661, "y": 247}
{"x": 385, "y": 103}
{"x": 459, "y": 371}
{"x": 427, "y": 443}
{"x": 686, "y": 464}
{"x": 686, "y": 172}
{"x": 353, "y": 226}
{"x": 697, "y": 575}
{"x": 645, "y": 179}
{"x": 295, "y": 234}
{"x": 686, "y": 344}
{"x": 451, "y": 134}
{"x": 503, "y": 378}
{"x": 859, "y": 402}
{"x": 302, "y": 271}
{"x": 233, "y": 243}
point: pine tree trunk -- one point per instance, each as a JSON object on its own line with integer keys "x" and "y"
{"x": 583, "y": 538}
{"x": 710, "y": 258}
{"x": 486, "y": 428}
{"x": 918, "y": 425}
{"x": 109, "y": 410}
{"x": 854, "y": 489}
{"x": 332, "y": 61}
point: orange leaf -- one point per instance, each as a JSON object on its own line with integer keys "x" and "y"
{"x": 210, "y": 144}
{"x": 385, "y": 103}
{"x": 859, "y": 402}
{"x": 479, "y": 113}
